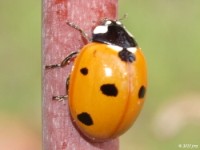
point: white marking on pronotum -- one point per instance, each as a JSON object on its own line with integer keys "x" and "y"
{"x": 100, "y": 29}
{"x": 108, "y": 22}
{"x": 115, "y": 47}
{"x": 129, "y": 33}
{"x": 132, "y": 49}
{"x": 118, "y": 22}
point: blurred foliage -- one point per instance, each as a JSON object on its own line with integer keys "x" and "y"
{"x": 20, "y": 61}
{"x": 167, "y": 31}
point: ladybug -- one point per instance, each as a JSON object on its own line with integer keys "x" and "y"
{"x": 108, "y": 81}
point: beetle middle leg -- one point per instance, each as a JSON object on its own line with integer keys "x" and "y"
{"x": 64, "y": 62}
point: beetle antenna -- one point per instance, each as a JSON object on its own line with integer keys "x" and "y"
{"x": 123, "y": 17}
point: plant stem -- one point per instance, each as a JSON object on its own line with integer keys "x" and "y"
{"x": 59, "y": 40}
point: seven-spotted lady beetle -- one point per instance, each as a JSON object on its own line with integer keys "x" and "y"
{"x": 108, "y": 81}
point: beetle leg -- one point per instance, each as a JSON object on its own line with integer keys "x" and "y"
{"x": 60, "y": 98}
{"x": 83, "y": 34}
{"x": 67, "y": 84}
{"x": 65, "y": 62}
{"x": 63, "y": 97}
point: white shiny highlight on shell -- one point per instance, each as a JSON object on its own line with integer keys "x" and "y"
{"x": 108, "y": 71}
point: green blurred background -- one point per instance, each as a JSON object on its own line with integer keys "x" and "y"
{"x": 168, "y": 32}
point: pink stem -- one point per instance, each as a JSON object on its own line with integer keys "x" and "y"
{"x": 59, "y": 40}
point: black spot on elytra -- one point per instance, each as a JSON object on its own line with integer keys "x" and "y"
{"x": 84, "y": 71}
{"x": 109, "y": 89}
{"x": 141, "y": 92}
{"x": 126, "y": 56}
{"x": 85, "y": 118}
